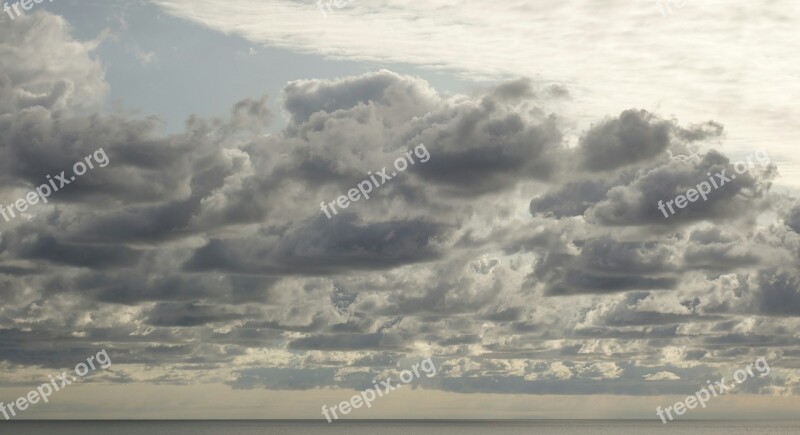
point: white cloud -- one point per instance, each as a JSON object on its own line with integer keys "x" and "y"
{"x": 662, "y": 376}
{"x": 729, "y": 61}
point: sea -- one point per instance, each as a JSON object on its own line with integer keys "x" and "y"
{"x": 396, "y": 427}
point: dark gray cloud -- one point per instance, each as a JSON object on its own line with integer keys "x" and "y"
{"x": 779, "y": 293}
{"x": 522, "y": 264}
{"x": 793, "y": 219}
{"x": 129, "y": 287}
{"x": 637, "y": 202}
{"x": 572, "y": 199}
{"x": 348, "y": 342}
{"x": 605, "y": 265}
{"x": 323, "y": 247}
{"x": 487, "y": 148}
{"x": 96, "y": 257}
{"x": 712, "y": 249}
{"x": 175, "y": 314}
{"x": 633, "y": 137}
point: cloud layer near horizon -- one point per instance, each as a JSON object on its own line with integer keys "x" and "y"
{"x": 521, "y": 263}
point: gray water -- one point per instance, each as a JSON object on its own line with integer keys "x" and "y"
{"x": 394, "y": 427}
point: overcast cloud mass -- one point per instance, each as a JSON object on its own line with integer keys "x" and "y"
{"x": 527, "y": 257}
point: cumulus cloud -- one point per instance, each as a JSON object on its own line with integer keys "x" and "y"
{"x": 662, "y": 376}
{"x": 633, "y": 137}
{"x": 522, "y": 264}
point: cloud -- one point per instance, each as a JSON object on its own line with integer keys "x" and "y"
{"x": 779, "y": 293}
{"x": 662, "y": 376}
{"x": 793, "y": 220}
{"x": 43, "y": 65}
{"x": 523, "y": 264}
{"x": 486, "y": 40}
{"x": 633, "y": 137}
{"x": 322, "y": 247}
{"x": 636, "y": 201}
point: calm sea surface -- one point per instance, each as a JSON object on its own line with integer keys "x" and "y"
{"x": 544, "y": 427}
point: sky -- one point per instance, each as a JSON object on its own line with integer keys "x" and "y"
{"x": 532, "y": 245}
